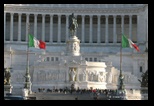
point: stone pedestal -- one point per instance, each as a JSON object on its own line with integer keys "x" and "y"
{"x": 28, "y": 86}
{"x": 144, "y": 93}
{"x": 7, "y": 89}
{"x": 25, "y": 92}
{"x": 73, "y": 46}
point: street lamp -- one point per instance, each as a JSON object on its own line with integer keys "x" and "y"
{"x": 27, "y": 75}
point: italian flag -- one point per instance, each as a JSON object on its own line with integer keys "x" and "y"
{"x": 33, "y": 42}
{"x": 128, "y": 43}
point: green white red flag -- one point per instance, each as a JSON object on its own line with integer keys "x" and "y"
{"x": 33, "y": 42}
{"x": 128, "y": 43}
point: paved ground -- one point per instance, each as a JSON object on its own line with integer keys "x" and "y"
{"x": 62, "y": 96}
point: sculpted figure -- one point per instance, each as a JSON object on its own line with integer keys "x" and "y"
{"x": 102, "y": 77}
{"x": 92, "y": 76}
{"x": 110, "y": 78}
{"x": 74, "y": 46}
{"x": 99, "y": 77}
{"x": 144, "y": 80}
{"x": 7, "y": 76}
{"x": 72, "y": 24}
{"x": 72, "y": 74}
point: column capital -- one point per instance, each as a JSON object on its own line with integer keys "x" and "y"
{"x": 27, "y": 14}
{"x": 59, "y": 15}
{"x": 19, "y": 14}
{"x": 90, "y": 16}
{"x": 51, "y": 15}
{"x": 82, "y": 16}
{"x": 122, "y": 16}
{"x": 130, "y": 15}
{"x": 98, "y": 16}
{"x": 114, "y": 16}
{"x": 67, "y": 15}
{"x": 35, "y": 15}
{"x": 43, "y": 15}
{"x": 12, "y": 13}
{"x": 106, "y": 16}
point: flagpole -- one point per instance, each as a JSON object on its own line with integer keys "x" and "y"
{"x": 121, "y": 57}
{"x": 121, "y": 77}
{"x": 27, "y": 76}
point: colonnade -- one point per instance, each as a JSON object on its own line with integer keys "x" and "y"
{"x": 67, "y": 30}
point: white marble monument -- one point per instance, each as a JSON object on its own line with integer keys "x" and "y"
{"x": 90, "y": 52}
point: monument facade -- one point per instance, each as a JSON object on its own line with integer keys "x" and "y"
{"x": 93, "y": 54}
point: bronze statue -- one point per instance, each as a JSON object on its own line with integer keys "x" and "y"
{"x": 72, "y": 24}
{"x": 7, "y": 76}
{"x": 144, "y": 81}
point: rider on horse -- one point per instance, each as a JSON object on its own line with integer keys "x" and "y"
{"x": 72, "y": 24}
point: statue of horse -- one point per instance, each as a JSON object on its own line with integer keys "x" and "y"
{"x": 72, "y": 24}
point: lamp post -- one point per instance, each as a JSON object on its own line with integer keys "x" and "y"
{"x": 11, "y": 53}
{"x": 27, "y": 75}
{"x": 121, "y": 87}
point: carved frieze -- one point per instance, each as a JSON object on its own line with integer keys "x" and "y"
{"x": 46, "y": 76}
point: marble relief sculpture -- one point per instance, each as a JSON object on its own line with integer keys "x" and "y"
{"x": 84, "y": 75}
{"x": 102, "y": 77}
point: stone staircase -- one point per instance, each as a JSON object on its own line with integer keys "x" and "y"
{"x": 62, "y": 96}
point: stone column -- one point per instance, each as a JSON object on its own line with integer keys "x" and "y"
{"x": 138, "y": 27}
{"x": 141, "y": 28}
{"x": 114, "y": 29}
{"x": 19, "y": 26}
{"x": 146, "y": 64}
{"x": 135, "y": 67}
{"x": 4, "y": 24}
{"x": 35, "y": 25}
{"x": 59, "y": 28}
{"x": 122, "y": 24}
{"x": 11, "y": 27}
{"x": 147, "y": 31}
{"x": 106, "y": 29}
{"x": 90, "y": 37}
{"x": 51, "y": 28}
{"x": 67, "y": 75}
{"x": 83, "y": 28}
{"x": 27, "y": 22}
{"x": 86, "y": 77}
{"x": 67, "y": 16}
{"x": 98, "y": 28}
{"x": 43, "y": 27}
{"x": 130, "y": 26}
{"x": 77, "y": 76}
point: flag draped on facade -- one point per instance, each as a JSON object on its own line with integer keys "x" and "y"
{"x": 33, "y": 42}
{"x": 128, "y": 43}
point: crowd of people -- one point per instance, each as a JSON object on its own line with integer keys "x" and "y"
{"x": 94, "y": 93}
{"x": 79, "y": 91}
